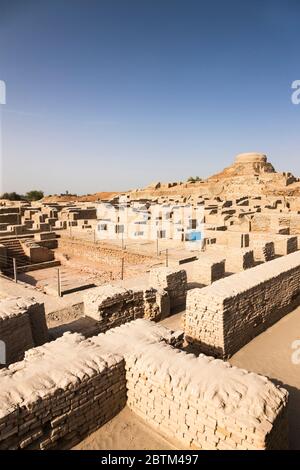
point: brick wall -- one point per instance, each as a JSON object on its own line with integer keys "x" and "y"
{"x": 98, "y": 253}
{"x": 263, "y": 251}
{"x": 225, "y": 316}
{"x": 206, "y": 270}
{"x": 112, "y": 306}
{"x": 239, "y": 260}
{"x": 63, "y": 390}
{"x": 173, "y": 281}
{"x": 22, "y": 326}
{"x": 68, "y": 388}
{"x": 205, "y": 403}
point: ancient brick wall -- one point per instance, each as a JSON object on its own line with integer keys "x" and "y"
{"x": 22, "y": 326}
{"x": 74, "y": 386}
{"x": 11, "y": 219}
{"x": 264, "y": 222}
{"x": 225, "y": 316}
{"x": 3, "y": 256}
{"x": 112, "y": 306}
{"x": 283, "y": 244}
{"x": 239, "y": 260}
{"x": 96, "y": 252}
{"x": 63, "y": 390}
{"x": 205, "y": 403}
{"x": 263, "y": 251}
{"x": 207, "y": 270}
{"x": 173, "y": 281}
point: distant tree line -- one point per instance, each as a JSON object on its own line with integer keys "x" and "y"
{"x": 193, "y": 179}
{"x": 34, "y": 195}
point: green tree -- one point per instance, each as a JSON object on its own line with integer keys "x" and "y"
{"x": 34, "y": 195}
{"x": 12, "y": 196}
{"x": 192, "y": 179}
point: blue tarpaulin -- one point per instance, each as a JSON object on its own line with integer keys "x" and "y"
{"x": 193, "y": 236}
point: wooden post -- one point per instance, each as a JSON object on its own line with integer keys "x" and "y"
{"x": 122, "y": 269}
{"x": 167, "y": 257}
{"x": 58, "y": 283}
{"x": 157, "y": 250}
{"x": 15, "y": 269}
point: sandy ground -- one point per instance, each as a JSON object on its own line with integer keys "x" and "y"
{"x": 125, "y": 432}
{"x": 9, "y": 288}
{"x": 270, "y": 354}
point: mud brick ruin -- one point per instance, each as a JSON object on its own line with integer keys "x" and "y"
{"x": 61, "y": 388}
{"x": 114, "y": 327}
{"x": 173, "y": 282}
{"x": 22, "y": 326}
{"x": 239, "y": 260}
{"x": 225, "y": 316}
{"x": 207, "y": 269}
{"x": 80, "y": 384}
{"x": 204, "y": 403}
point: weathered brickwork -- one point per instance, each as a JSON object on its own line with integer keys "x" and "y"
{"x": 263, "y": 251}
{"x": 22, "y": 326}
{"x": 112, "y": 306}
{"x": 172, "y": 281}
{"x": 66, "y": 389}
{"x": 61, "y": 391}
{"x": 207, "y": 269}
{"x": 205, "y": 403}
{"x": 225, "y": 316}
{"x": 239, "y": 260}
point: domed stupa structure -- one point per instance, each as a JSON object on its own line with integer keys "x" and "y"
{"x": 247, "y": 164}
{"x": 251, "y": 158}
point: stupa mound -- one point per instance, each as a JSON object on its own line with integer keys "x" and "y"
{"x": 246, "y": 164}
{"x": 251, "y": 158}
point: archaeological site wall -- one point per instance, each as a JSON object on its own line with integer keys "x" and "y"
{"x": 207, "y": 269}
{"x": 263, "y": 222}
{"x": 202, "y": 402}
{"x": 174, "y": 282}
{"x": 225, "y": 316}
{"x": 66, "y": 389}
{"x": 205, "y": 403}
{"x": 239, "y": 260}
{"x": 262, "y": 250}
{"x": 92, "y": 252}
{"x": 22, "y": 326}
{"x": 112, "y": 306}
{"x": 283, "y": 244}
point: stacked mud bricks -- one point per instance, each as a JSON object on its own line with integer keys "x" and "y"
{"x": 174, "y": 282}
{"x": 112, "y": 306}
{"x": 223, "y": 317}
{"x": 66, "y": 389}
{"x": 239, "y": 260}
{"x": 204, "y": 403}
{"x": 207, "y": 269}
{"x": 22, "y": 326}
{"x": 63, "y": 389}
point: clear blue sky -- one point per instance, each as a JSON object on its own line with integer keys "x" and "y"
{"x": 114, "y": 94}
